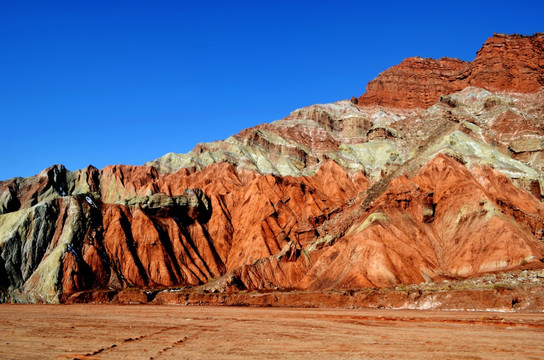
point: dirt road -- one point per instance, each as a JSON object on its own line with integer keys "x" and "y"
{"x": 206, "y": 332}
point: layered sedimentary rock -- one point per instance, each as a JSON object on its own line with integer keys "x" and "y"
{"x": 512, "y": 63}
{"x": 141, "y": 229}
{"x": 435, "y": 174}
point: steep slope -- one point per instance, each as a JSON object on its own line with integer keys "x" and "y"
{"x": 143, "y": 230}
{"x": 435, "y": 174}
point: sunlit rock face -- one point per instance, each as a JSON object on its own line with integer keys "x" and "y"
{"x": 504, "y": 63}
{"x": 434, "y": 173}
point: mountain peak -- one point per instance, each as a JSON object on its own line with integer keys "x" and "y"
{"x": 512, "y": 63}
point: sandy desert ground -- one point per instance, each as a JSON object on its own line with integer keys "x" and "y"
{"x": 206, "y": 332}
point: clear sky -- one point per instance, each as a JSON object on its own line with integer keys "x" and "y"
{"x": 124, "y": 82}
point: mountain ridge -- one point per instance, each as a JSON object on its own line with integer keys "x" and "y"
{"x": 511, "y": 63}
{"x": 369, "y": 193}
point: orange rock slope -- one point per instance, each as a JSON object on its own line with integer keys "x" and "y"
{"x": 435, "y": 174}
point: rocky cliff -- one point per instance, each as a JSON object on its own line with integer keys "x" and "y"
{"x": 511, "y": 63}
{"x": 434, "y": 174}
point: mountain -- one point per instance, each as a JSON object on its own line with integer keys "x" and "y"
{"x": 510, "y": 63}
{"x": 434, "y": 174}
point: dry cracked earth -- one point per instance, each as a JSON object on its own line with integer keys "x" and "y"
{"x": 196, "y": 332}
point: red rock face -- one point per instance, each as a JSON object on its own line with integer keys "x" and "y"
{"x": 443, "y": 223}
{"x": 249, "y": 217}
{"x": 510, "y": 63}
{"x": 504, "y": 63}
{"x": 415, "y": 82}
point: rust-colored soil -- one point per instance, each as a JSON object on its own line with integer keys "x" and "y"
{"x": 208, "y": 332}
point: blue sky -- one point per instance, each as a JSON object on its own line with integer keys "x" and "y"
{"x": 124, "y": 82}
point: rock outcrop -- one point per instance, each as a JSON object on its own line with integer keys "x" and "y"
{"x": 512, "y": 63}
{"x": 175, "y": 235}
{"x": 434, "y": 174}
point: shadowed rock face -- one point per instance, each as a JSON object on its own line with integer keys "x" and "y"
{"x": 338, "y": 195}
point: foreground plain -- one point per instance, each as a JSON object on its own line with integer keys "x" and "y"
{"x": 204, "y": 332}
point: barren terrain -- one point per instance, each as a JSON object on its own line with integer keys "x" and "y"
{"x": 433, "y": 176}
{"x": 206, "y": 332}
